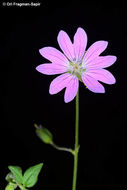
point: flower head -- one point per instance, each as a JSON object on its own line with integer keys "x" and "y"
{"x": 77, "y": 64}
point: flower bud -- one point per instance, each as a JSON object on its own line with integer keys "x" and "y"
{"x": 44, "y": 134}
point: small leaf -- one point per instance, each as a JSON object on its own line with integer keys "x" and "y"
{"x": 11, "y": 186}
{"x": 9, "y": 177}
{"x": 31, "y": 175}
{"x": 16, "y": 171}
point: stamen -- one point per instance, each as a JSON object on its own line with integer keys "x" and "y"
{"x": 76, "y": 66}
{"x": 76, "y": 69}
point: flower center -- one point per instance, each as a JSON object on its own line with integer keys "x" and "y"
{"x": 76, "y": 69}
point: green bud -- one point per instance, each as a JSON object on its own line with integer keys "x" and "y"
{"x": 44, "y": 134}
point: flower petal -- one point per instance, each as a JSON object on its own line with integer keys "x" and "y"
{"x": 92, "y": 84}
{"x": 102, "y": 75}
{"x": 71, "y": 90}
{"x": 80, "y": 42}
{"x": 59, "y": 83}
{"x": 101, "y": 61}
{"x": 54, "y": 55}
{"x": 66, "y": 45}
{"x": 95, "y": 50}
{"x": 51, "y": 69}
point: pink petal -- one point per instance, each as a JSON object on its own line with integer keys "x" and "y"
{"x": 50, "y": 69}
{"x": 54, "y": 55}
{"x": 66, "y": 45}
{"x": 92, "y": 84}
{"x": 71, "y": 90}
{"x": 59, "y": 83}
{"x": 95, "y": 50}
{"x": 80, "y": 42}
{"x": 102, "y": 75}
{"x": 101, "y": 61}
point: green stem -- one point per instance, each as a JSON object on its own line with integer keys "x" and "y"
{"x": 76, "y": 143}
{"x": 22, "y": 187}
{"x": 62, "y": 148}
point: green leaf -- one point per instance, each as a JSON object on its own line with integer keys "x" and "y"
{"x": 31, "y": 175}
{"x": 16, "y": 171}
{"x": 11, "y": 186}
{"x": 10, "y": 177}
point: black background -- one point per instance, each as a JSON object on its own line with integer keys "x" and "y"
{"x": 25, "y": 99}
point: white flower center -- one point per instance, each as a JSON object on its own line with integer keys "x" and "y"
{"x": 77, "y": 69}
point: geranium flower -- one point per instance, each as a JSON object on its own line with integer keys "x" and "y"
{"x": 77, "y": 64}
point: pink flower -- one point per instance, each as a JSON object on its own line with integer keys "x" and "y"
{"x": 76, "y": 64}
